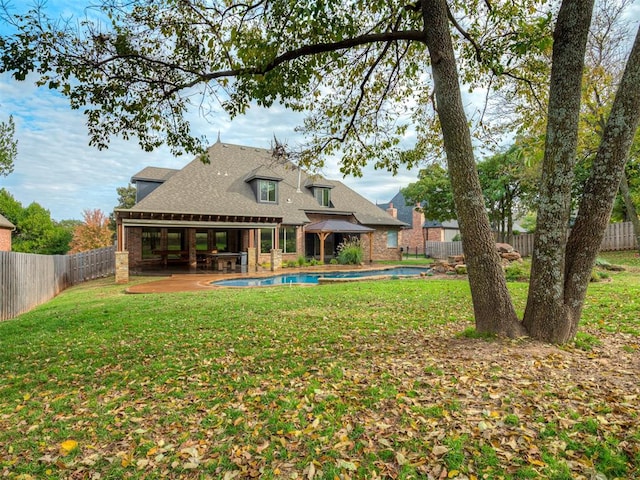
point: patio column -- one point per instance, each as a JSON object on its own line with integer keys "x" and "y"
{"x": 370, "y": 234}
{"x": 323, "y": 236}
{"x": 191, "y": 247}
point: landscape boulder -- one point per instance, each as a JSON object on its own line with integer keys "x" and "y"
{"x": 504, "y": 248}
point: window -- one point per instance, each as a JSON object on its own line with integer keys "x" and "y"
{"x": 323, "y": 196}
{"x": 268, "y": 191}
{"x": 266, "y": 240}
{"x": 175, "y": 240}
{"x": 392, "y": 239}
{"x": 222, "y": 244}
{"x": 150, "y": 241}
{"x": 202, "y": 241}
{"x": 288, "y": 239}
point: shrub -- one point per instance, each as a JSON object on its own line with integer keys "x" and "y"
{"x": 598, "y": 276}
{"x": 515, "y": 271}
{"x": 333, "y": 261}
{"x": 302, "y": 261}
{"x": 350, "y": 252}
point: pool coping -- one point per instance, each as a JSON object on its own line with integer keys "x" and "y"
{"x": 189, "y": 282}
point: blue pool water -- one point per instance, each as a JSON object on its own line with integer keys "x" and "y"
{"x": 312, "y": 278}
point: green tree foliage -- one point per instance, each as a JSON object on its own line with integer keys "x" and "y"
{"x": 361, "y": 70}
{"x": 8, "y": 147}
{"x": 35, "y": 231}
{"x": 126, "y": 199}
{"x": 370, "y": 75}
{"x": 509, "y": 185}
{"x": 508, "y": 182}
{"x": 433, "y": 192}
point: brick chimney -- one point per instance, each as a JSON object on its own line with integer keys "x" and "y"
{"x": 418, "y": 217}
{"x": 392, "y": 211}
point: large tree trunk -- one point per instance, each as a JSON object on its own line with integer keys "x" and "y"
{"x": 632, "y": 213}
{"x": 546, "y": 314}
{"x": 493, "y": 309}
{"x": 601, "y": 188}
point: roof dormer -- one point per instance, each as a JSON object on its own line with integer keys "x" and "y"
{"x": 265, "y": 185}
{"x": 321, "y": 191}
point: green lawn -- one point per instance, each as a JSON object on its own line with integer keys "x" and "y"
{"x": 378, "y": 379}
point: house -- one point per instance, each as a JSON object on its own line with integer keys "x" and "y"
{"x": 411, "y": 236}
{"x": 6, "y": 227}
{"x": 245, "y": 205}
{"x": 436, "y": 231}
{"x": 418, "y": 230}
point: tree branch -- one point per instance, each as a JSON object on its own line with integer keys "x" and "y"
{"x": 308, "y": 50}
{"x": 465, "y": 34}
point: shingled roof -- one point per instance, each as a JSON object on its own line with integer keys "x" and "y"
{"x": 4, "y": 223}
{"x": 222, "y": 187}
{"x": 154, "y": 174}
{"x": 405, "y": 212}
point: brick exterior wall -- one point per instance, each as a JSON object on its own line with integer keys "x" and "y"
{"x": 5, "y": 240}
{"x": 380, "y": 249}
{"x": 134, "y": 246}
{"x": 413, "y": 237}
{"x": 435, "y": 234}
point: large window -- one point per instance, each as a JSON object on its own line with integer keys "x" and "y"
{"x": 323, "y": 196}
{"x": 175, "y": 239}
{"x": 268, "y": 191}
{"x": 392, "y": 239}
{"x": 288, "y": 239}
{"x": 266, "y": 240}
{"x": 150, "y": 241}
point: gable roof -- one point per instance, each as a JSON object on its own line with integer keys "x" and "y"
{"x": 221, "y": 187}
{"x": 4, "y": 223}
{"x": 153, "y": 174}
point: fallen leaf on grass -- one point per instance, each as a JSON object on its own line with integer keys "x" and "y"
{"x": 439, "y": 450}
{"x": 68, "y": 446}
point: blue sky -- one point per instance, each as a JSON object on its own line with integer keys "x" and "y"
{"x": 57, "y": 169}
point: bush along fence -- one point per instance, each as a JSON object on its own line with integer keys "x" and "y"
{"x": 619, "y": 236}
{"x": 27, "y": 280}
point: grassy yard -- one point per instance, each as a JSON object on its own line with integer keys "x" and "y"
{"x": 378, "y": 379}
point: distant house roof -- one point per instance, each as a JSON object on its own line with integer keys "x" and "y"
{"x": 447, "y": 224}
{"x": 405, "y": 212}
{"x": 220, "y": 187}
{"x": 6, "y": 224}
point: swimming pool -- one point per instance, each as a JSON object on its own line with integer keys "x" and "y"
{"x": 316, "y": 278}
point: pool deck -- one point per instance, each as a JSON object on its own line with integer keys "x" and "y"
{"x": 186, "y": 282}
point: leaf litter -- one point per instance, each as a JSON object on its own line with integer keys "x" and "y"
{"x": 379, "y": 403}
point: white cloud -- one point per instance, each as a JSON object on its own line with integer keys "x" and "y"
{"x": 59, "y": 170}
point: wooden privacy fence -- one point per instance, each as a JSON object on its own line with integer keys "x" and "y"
{"x": 27, "y": 280}
{"x": 618, "y": 236}
{"x": 442, "y": 249}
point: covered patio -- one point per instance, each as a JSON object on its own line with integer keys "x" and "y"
{"x": 325, "y": 228}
